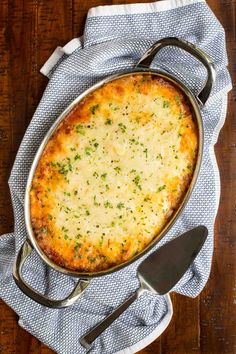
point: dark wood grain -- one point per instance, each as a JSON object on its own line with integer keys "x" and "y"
{"x": 29, "y": 31}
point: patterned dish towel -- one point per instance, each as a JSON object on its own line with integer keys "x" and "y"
{"x": 115, "y": 38}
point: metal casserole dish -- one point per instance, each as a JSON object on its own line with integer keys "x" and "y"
{"x": 142, "y": 67}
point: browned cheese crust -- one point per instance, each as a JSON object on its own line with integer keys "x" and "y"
{"x": 113, "y": 173}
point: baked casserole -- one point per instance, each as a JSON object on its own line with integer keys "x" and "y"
{"x": 113, "y": 173}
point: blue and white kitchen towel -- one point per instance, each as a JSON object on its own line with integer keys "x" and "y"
{"x": 115, "y": 37}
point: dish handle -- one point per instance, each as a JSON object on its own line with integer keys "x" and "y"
{"x": 24, "y": 252}
{"x": 148, "y": 57}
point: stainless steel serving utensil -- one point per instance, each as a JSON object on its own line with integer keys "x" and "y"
{"x": 158, "y": 273}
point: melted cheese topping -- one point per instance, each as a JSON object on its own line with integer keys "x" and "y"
{"x": 113, "y": 173}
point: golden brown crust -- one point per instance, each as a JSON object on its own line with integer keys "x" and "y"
{"x": 113, "y": 173}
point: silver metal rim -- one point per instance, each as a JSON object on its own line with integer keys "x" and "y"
{"x": 196, "y": 110}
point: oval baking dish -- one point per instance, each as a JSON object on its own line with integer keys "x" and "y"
{"x": 113, "y": 173}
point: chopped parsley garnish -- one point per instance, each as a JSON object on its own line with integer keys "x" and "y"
{"x": 145, "y": 151}
{"x": 87, "y": 212}
{"x": 159, "y": 189}
{"x": 177, "y": 100}
{"x": 104, "y": 176}
{"x": 77, "y": 246}
{"x": 80, "y": 129}
{"x": 43, "y": 230}
{"x": 166, "y": 104}
{"x": 95, "y": 201}
{"x": 117, "y": 169}
{"x": 88, "y": 150}
{"x": 101, "y": 241}
{"x": 120, "y": 205}
{"x": 108, "y": 121}
{"x": 107, "y": 204}
{"x": 77, "y": 157}
{"x": 122, "y": 127}
{"x": 146, "y": 199}
{"x": 53, "y": 164}
{"x": 136, "y": 180}
{"x": 94, "y": 108}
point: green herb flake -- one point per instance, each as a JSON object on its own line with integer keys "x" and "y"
{"x": 87, "y": 212}
{"x": 88, "y": 150}
{"x": 94, "y": 108}
{"x": 117, "y": 169}
{"x": 178, "y": 100}
{"x": 146, "y": 152}
{"x": 108, "y": 121}
{"x": 147, "y": 199}
{"x": 120, "y": 205}
{"x": 136, "y": 180}
{"x": 63, "y": 170}
{"x": 166, "y": 104}
{"x": 101, "y": 241}
{"x": 161, "y": 188}
{"x": 107, "y": 204}
{"x": 95, "y": 201}
{"x": 77, "y": 246}
{"x": 104, "y": 176}
{"x": 80, "y": 129}
{"x": 122, "y": 127}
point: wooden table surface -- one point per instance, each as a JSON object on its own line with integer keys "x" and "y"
{"x": 29, "y": 31}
